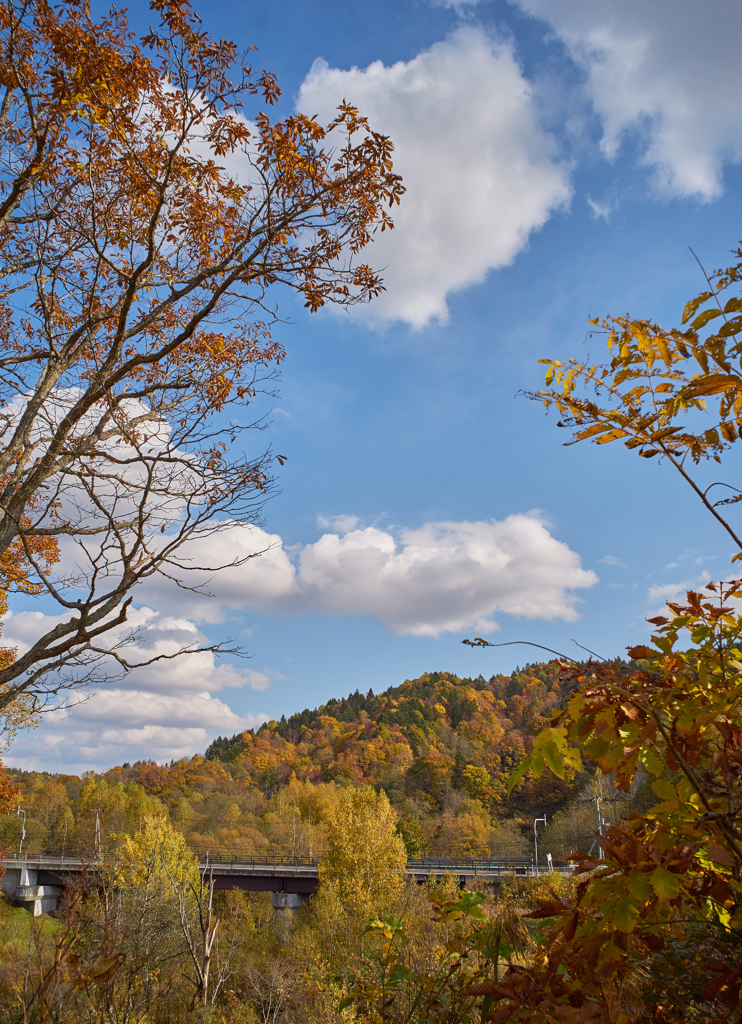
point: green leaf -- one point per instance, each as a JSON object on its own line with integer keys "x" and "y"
{"x": 623, "y": 913}
{"x": 665, "y": 789}
{"x": 638, "y": 885}
{"x": 520, "y": 772}
{"x": 666, "y": 885}
{"x": 550, "y": 747}
{"x": 651, "y": 761}
{"x": 468, "y": 905}
{"x": 553, "y": 757}
{"x": 398, "y": 973}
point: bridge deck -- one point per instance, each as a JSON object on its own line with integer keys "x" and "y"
{"x": 284, "y": 874}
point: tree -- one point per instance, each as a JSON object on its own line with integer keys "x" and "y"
{"x": 365, "y": 861}
{"x": 654, "y": 931}
{"x": 654, "y": 378}
{"x": 143, "y": 221}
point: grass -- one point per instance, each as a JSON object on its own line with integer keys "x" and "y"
{"x": 15, "y": 928}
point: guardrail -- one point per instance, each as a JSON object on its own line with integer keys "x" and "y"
{"x": 476, "y": 865}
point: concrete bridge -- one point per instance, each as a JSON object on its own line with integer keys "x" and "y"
{"x": 37, "y": 882}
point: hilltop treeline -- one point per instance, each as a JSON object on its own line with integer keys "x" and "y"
{"x": 420, "y": 737}
{"x": 440, "y": 747}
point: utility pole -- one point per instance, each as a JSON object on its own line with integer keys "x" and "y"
{"x": 23, "y": 830}
{"x": 535, "y": 838}
{"x": 96, "y": 841}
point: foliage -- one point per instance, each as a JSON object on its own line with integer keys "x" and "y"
{"x": 657, "y": 383}
{"x": 436, "y": 964}
{"x": 366, "y": 858}
{"x": 426, "y": 738}
{"x": 9, "y": 792}
{"x": 654, "y": 929}
{"x": 156, "y": 852}
{"x": 144, "y": 220}
{"x": 435, "y": 776}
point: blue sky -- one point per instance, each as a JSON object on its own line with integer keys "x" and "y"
{"x": 561, "y": 156}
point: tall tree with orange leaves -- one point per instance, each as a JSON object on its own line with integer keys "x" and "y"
{"x": 143, "y": 220}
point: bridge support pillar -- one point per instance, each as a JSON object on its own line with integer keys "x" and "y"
{"x": 283, "y": 901}
{"x": 21, "y": 885}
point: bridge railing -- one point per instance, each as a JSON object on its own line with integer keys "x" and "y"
{"x": 417, "y": 864}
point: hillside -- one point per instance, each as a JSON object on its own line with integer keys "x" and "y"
{"x": 441, "y": 747}
{"x": 422, "y": 738}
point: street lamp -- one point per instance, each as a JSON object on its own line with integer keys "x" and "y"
{"x": 23, "y": 830}
{"x": 535, "y": 838}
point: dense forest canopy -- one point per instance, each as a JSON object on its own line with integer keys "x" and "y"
{"x": 441, "y": 748}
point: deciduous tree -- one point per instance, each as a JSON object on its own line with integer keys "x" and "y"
{"x": 654, "y": 932}
{"x": 366, "y": 858}
{"x": 144, "y": 220}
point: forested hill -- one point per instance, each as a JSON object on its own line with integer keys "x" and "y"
{"x": 427, "y": 736}
{"x": 441, "y": 748}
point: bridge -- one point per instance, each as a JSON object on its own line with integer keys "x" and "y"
{"x": 37, "y": 882}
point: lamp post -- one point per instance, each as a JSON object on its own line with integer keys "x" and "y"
{"x": 23, "y": 830}
{"x": 535, "y": 838}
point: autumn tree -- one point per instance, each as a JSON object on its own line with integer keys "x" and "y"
{"x": 366, "y": 858}
{"x": 148, "y": 203}
{"x": 654, "y": 930}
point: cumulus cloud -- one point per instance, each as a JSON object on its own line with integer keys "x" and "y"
{"x": 481, "y": 172}
{"x": 118, "y": 725}
{"x": 160, "y": 711}
{"x": 443, "y": 577}
{"x": 156, "y": 634}
{"x": 669, "y": 70}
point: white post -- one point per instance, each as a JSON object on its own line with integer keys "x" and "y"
{"x": 23, "y": 830}
{"x": 535, "y": 838}
{"x": 601, "y": 822}
{"x": 96, "y": 838}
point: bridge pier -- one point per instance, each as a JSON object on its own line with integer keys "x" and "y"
{"x": 21, "y": 884}
{"x": 283, "y": 901}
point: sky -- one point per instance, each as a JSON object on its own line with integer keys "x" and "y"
{"x": 561, "y": 157}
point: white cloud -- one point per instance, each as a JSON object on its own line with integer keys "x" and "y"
{"x": 481, "y": 173}
{"x": 116, "y": 725}
{"x": 669, "y": 592}
{"x": 443, "y": 577}
{"x": 340, "y": 524}
{"x": 669, "y": 69}
{"x": 602, "y": 210}
{"x": 157, "y": 634}
{"x": 159, "y": 711}
{"x": 460, "y": 6}
{"x": 612, "y": 560}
